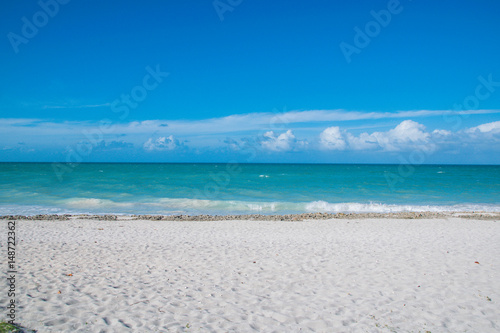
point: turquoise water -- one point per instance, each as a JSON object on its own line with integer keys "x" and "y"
{"x": 34, "y": 188}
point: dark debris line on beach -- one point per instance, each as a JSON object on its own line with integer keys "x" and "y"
{"x": 259, "y": 217}
{"x": 287, "y": 217}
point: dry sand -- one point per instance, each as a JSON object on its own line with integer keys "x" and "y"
{"x": 352, "y": 275}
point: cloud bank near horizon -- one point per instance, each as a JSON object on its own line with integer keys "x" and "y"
{"x": 321, "y": 131}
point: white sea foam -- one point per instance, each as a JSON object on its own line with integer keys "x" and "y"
{"x": 220, "y": 205}
{"x": 172, "y": 206}
{"x": 32, "y": 210}
{"x": 355, "y": 207}
{"x": 230, "y": 206}
{"x": 90, "y": 203}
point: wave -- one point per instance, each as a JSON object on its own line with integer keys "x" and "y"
{"x": 355, "y": 207}
{"x": 78, "y": 203}
{"x": 174, "y": 206}
{"x": 29, "y": 210}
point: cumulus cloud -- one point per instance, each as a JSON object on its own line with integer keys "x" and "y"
{"x": 485, "y": 135}
{"x": 332, "y": 139}
{"x": 284, "y": 142}
{"x": 493, "y": 127}
{"x": 408, "y": 134}
{"x": 364, "y": 141}
{"x": 441, "y": 132}
{"x": 161, "y": 144}
{"x": 242, "y": 134}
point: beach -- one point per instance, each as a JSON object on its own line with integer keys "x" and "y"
{"x": 250, "y": 166}
{"x": 343, "y": 274}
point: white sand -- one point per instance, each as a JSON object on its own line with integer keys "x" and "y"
{"x": 245, "y": 276}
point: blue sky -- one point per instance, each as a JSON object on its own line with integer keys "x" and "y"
{"x": 252, "y": 81}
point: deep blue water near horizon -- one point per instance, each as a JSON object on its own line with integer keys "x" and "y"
{"x": 218, "y": 188}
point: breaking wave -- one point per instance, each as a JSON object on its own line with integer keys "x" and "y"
{"x": 174, "y": 206}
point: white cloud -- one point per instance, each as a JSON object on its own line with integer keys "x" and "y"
{"x": 441, "y": 132}
{"x": 284, "y": 142}
{"x": 408, "y": 134}
{"x": 161, "y": 143}
{"x": 332, "y": 139}
{"x": 364, "y": 141}
{"x": 485, "y": 135}
{"x": 75, "y": 106}
{"x": 273, "y": 121}
{"x": 345, "y": 115}
{"x": 222, "y": 125}
{"x": 243, "y": 130}
{"x": 19, "y": 121}
{"x": 493, "y": 127}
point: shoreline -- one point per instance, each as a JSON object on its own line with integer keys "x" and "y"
{"x": 480, "y": 215}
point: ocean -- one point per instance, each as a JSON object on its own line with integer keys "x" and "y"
{"x": 172, "y": 189}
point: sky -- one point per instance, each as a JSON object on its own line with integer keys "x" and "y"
{"x": 320, "y": 81}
